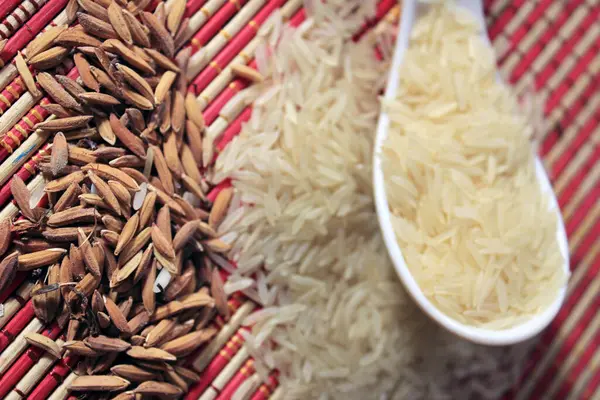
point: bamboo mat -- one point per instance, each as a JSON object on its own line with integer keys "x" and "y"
{"x": 553, "y": 44}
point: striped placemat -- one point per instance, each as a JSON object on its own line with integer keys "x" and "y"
{"x": 549, "y": 44}
{"x": 555, "y": 47}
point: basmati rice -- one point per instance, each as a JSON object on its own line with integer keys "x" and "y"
{"x": 337, "y": 322}
{"x": 476, "y": 231}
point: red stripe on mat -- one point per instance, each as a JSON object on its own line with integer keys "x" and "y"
{"x": 192, "y": 6}
{"x": 566, "y": 48}
{"x": 17, "y": 323}
{"x": 532, "y": 18}
{"x": 586, "y": 130}
{"x": 572, "y": 301}
{"x": 569, "y": 345}
{"x": 8, "y": 6}
{"x": 587, "y": 243}
{"x": 592, "y": 387}
{"x": 577, "y": 257}
{"x": 578, "y": 178}
{"x": 569, "y": 117}
{"x": 501, "y": 21}
{"x": 234, "y": 128}
{"x": 52, "y": 379}
{"x": 29, "y": 30}
{"x": 571, "y": 112}
{"x": 214, "y": 23}
{"x": 577, "y": 292}
{"x": 580, "y": 366}
{"x": 580, "y": 68}
{"x": 16, "y": 282}
{"x": 25, "y": 362}
{"x": 554, "y": 26}
{"x": 538, "y": 12}
{"x": 550, "y": 333}
{"x": 582, "y": 210}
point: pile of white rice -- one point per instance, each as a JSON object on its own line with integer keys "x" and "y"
{"x": 335, "y": 321}
{"x": 471, "y": 220}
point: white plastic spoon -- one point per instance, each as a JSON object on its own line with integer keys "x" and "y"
{"x": 411, "y": 10}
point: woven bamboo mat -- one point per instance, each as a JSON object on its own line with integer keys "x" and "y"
{"x": 555, "y": 45}
{"x": 552, "y": 44}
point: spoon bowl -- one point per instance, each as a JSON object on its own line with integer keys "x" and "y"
{"x": 412, "y": 9}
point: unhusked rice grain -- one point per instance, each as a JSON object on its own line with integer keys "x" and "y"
{"x": 336, "y": 322}
{"x": 475, "y": 229}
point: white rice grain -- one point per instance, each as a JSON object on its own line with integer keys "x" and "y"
{"x": 337, "y": 324}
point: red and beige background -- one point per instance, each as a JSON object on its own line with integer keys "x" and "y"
{"x": 553, "y": 45}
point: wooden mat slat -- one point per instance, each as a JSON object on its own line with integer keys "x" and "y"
{"x": 557, "y": 44}
{"x": 7, "y": 6}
